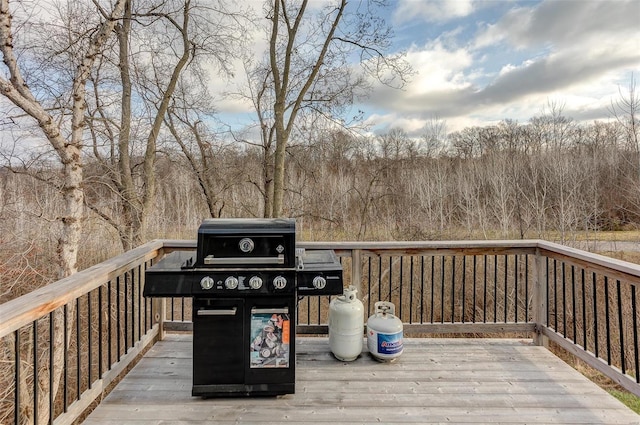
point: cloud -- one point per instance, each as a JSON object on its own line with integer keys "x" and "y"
{"x": 438, "y": 68}
{"x": 568, "y": 45}
{"x": 382, "y": 123}
{"x": 566, "y": 50}
{"x": 562, "y": 23}
{"x": 478, "y": 62}
{"x": 558, "y": 71}
{"x": 431, "y": 10}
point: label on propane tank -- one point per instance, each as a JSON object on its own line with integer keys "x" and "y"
{"x": 390, "y": 343}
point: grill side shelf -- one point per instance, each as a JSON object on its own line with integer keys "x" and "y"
{"x": 167, "y": 278}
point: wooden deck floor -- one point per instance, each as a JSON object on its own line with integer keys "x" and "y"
{"x": 434, "y": 381}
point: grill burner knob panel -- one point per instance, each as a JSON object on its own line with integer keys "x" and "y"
{"x": 280, "y": 282}
{"x": 206, "y": 283}
{"x": 255, "y": 282}
{"x": 319, "y": 282}
{"x": 231, "y": 283}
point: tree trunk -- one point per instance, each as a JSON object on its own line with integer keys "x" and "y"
{"x": 268, "y": 166}
{"x": 68, "y": 151}
{"x": 281, "y": 72}
{"x": 125, "y": 182}
{"x": 279, "y": 164}
{"x": 149, "y": 175}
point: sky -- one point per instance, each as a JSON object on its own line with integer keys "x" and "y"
{"x": 478, "y": 62}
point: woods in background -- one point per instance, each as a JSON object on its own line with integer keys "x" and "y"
{"x": 111, "y": 139}
{"x": 550, "y": 177}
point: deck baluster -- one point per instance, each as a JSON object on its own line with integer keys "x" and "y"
{"x": 579, "y": 316}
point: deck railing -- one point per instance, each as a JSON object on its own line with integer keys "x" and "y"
{"x": 92, "y": 326}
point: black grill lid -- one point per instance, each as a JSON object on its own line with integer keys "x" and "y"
{"x": 242, "y": 242}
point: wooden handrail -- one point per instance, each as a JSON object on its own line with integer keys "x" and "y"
{"x": 24, "y": 310}
{"x": 590, "y": 261}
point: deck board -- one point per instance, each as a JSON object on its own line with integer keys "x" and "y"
{"x": 434, "y": 381}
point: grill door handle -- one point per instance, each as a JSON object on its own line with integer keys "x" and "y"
{"x": 219, "y": 312}
{"x": 272, "y": 310}
{"x": 211, "y": 260}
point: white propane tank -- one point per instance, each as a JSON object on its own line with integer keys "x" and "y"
{"x": 346, "y": 325}
{"x": 384, "y": 332}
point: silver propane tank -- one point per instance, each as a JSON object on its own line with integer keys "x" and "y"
{"x": 346, "y": 325}
{"x": 384, "y": 333}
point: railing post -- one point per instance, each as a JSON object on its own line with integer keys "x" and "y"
{"x": 356, "y": 270}
{"x": 160, "y": 305}
{"x": 539, "y": 309}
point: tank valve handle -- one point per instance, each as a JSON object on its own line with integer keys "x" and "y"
{"x": 350, "y": 293}
{"x": 384, "y": 308}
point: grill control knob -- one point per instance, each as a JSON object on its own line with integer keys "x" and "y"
{"x": 255, "y": 282}
{"x": 319, "y": 282}
{"x": 279, "y": 282}
{"x": 231, "y": 282}
{"x": 206, "y": 283}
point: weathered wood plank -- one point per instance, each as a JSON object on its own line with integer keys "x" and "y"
{"x": 619, "y": 269}
{"x": 435, "y": 381}
{"x": 228, "y": 412}
{"x": 565, "y": 388}
{"x": 576, "y": 256}
{"x": 413, "y": 328}
{"x": 463, "y": 247}
{"x": 22, "y": 311}
{"x": 377, "y": 400}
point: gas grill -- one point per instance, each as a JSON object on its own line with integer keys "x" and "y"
{"x": 245, "y": 278}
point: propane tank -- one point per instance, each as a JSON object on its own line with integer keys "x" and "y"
{"x": 346, "y": 325}
{"x": 384, "y": 332}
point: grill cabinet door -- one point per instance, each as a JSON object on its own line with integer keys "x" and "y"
{"x": 218, "y": 339}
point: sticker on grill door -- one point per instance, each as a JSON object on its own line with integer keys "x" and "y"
{"x": 270, "y": 336}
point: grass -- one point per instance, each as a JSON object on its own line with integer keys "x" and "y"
{"x": 627, "y": 398}
{"x": 617, "y": 236}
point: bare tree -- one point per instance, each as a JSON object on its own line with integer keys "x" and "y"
{"x": 434, "y": 137}
{"x": 396, "y": 144}
{"x": 213, "y": 161}
{"x": 308, "y": 72}
{"x": 65, "y": 135}
{"x": 258, "y": 80}
{"x": 136, "y": 203}
{"x": 161, "y": 46}
{"x": 625, "y": 110}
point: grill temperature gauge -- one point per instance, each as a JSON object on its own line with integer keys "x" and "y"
{"x": 206, "y": 283}
{"x": 246, "y": 245}
{"x": 279, "y": 282}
